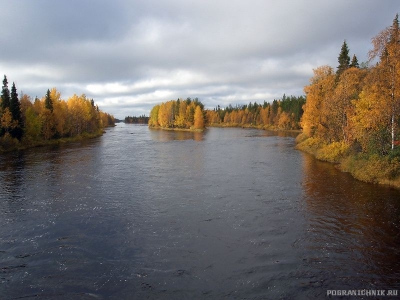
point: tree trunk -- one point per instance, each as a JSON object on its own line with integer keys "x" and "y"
{"x": 393, "y": 129}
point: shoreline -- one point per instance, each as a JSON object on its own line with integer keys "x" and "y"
{"x": 21, "y": 146}
{"x": 375, "y": 169}
{"x": 265, "y": 127}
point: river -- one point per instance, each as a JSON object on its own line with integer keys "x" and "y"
{"x": 225, "y": 214}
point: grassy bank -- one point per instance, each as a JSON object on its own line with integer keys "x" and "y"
{"x": 10, "y": 144}
{"x": 261, "y": 127}
{"x": 371, "y": 168}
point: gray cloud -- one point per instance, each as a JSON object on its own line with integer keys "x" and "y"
{"x": 130, "y": 55}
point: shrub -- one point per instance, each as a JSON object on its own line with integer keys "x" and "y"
{"x": 310, "y": 145}
{"x": 372, "y": 168}
{"x": 333, "y": 152}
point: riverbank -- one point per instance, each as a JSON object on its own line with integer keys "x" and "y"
{"x": 370, "y": 168}
{"x": 10, "y": 144}
{"x": 261, "y": 127}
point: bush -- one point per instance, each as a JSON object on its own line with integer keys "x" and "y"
{"x": 310, "y": 145}
{"x": 395, "y": 153}
{"x": 301, "y": 138}
{"x": 372, "y": 168}
{"x": 7, "y": 142}
{"x": 333, "y": 152}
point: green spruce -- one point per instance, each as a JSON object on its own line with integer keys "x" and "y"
{"x": 48, "y": 103}
{"x": 15, "y": 109}
{"x": 5, "y": 94}
{"x": 354, "y": 62}
{"x": 343, "y": 59}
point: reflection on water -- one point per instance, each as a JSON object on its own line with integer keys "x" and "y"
{"x": 176, "y": 135}
{"x": 227, "y": 213}
{"x": 353, "y": 227}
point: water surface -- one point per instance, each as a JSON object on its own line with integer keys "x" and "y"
{"x": 225, "y": 214}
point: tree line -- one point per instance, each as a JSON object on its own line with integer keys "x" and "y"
{"x": 283, "y": 113}
{"x": 181, "y": 114}
{"x": 143, "y": 119}
{"x": 354, "y": 112}
{"x": 26, "y": 123}
{"x": 358, "y": 106}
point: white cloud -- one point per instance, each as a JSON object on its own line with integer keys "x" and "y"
{"x": 129, "y": 55}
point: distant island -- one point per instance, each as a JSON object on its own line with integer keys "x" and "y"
{"x": 178, "y": 115}
{"x": 25, "y": 123}
{"x": 137, "y": 120}
{"x": 283, "y": 114}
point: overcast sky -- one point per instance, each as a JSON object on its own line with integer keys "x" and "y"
{"x": 130, "y": 55}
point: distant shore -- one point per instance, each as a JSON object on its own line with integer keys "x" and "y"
{"x": 261, "y": 127}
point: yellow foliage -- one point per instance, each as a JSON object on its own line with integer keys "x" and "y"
{"x": 372, "y": 168}
{"x": 7, "y": 121}
{"x": 198, "y": 118}
{"x": 310, "y": 145}
{"x": 318, "y": 94}
{"x": 177, "y": 114}
{"x": 333, "y": 152}
{"x": 153, "y": 120}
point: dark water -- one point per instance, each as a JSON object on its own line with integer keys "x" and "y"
{"x": 228, "y": 214}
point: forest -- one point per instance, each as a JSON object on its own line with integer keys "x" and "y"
{"x": 27, "y": 123}
{"x": 284, "y": 114}
{"x": 178, "y": 114}
{"x": 143, "y": 119}
{"x": 351, "y": 116}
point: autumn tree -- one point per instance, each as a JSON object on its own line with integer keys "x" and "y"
{"x": 47, "y": 118}
{"x": 386, "y": 46}
{"x": 177, "y": 114}
{"x": 33, "y": 125}
{"x": 318, "y": 93}
{"x": 371, "y": 117}
{"x": 180, "y": 118}
{"x": 340, "y": 105}
{"x": 198, "y": 118}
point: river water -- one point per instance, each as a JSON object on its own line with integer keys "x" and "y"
{"x": 225, "y": 214}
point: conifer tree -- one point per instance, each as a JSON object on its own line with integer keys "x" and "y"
{"x": 354, "y": 62}
{"x": 48, "y": 103}
{"x": 15, "y": 104}
{"x": 5, "y": 94}
{"x": 343, "y": 59}
{"x": 15, "y": 109}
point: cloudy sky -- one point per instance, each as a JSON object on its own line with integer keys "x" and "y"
{"x": 129, "y": 55}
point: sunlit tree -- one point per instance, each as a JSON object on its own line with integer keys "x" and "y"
{"x": 198, "y": 118}
{"x": 386, "y": 47}
{"x": 318, "y": 93}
